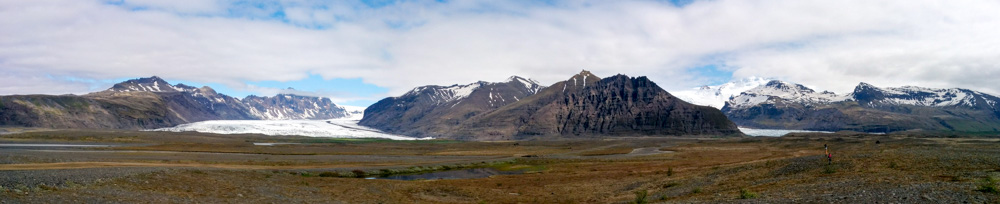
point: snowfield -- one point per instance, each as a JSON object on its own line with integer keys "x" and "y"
{"x": 336, "y": 128}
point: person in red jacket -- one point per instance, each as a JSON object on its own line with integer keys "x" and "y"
{"x": 829, "y": 157}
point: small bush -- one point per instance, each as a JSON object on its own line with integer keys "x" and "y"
{"x": 747, "y": 194}
{"x": 988, "y": 185}
{"x": 670, "y": 171}
{"x": 696, "y": 191}
{"x": 359, "y": 173}
{"x": 893, "y": 165}
{"x": 329, "y": 174}
{"x": 640, "y": 197}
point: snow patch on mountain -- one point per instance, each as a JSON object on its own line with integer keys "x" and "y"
{"x": 530, "y": 84}
{"x": 716, "y": 96}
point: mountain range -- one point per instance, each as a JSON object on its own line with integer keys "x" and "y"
{"x": 148, "y": 103}
{"x": 784, "y": 105}
{"x": 582, "y": 106}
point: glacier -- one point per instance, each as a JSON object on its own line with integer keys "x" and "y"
{"x": 716, "y": 96}
{"x": 335, "y": 128}
{"x": 772, "y": 132}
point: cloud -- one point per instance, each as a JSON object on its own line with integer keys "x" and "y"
{"x": 828, "y": 44}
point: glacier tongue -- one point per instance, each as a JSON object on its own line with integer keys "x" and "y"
{"x": 336, "y": 128}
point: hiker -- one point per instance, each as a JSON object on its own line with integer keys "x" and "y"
{"x": 829, "y": 157}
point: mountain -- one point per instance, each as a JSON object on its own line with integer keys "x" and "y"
{"x": 436, "y": 110}
{"x": 147, "y": 103}
{"x": 582, "y": 106}
{"x": 868, "y": 108}
{"x": 286, "y": 106}
{"x": 716, "y": 96}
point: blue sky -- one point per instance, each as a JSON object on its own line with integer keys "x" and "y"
{"x": 357, "y": 52}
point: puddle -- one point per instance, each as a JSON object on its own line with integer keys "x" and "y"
{"x": 453, "y": 174}
{"x": 54, "y": 145}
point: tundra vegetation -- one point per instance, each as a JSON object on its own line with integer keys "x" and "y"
{"x": 197, "y": 167}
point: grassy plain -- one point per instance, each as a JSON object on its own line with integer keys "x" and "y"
{"x": 196, "y": 167}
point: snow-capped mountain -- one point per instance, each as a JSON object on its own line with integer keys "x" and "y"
{"x": 280, "y": 107}
{"x": 288, "y": 107}
{"x": 428, "y": 109}
{"x": 868, "y": 108}
{"x": 584, "y": 105}
{"x": 775, "y": 91}
{"x": 446, "y": 94}
{"x": 867, "y": 94}
{"x": 716, "y": 96}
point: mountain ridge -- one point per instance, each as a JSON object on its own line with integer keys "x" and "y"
{"x": 151, "y": 102}
{"x": 868, "y": 108}
{"x": 584, "y": 105}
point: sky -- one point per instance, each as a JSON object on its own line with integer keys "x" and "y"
{"x": 357, "y": 52}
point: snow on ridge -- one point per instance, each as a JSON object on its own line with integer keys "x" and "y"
{"x": 905, "y": 95}
{"x": 780, "y": 90}
{"x": 921, "y": 96}
{"x": 530, "y": 84}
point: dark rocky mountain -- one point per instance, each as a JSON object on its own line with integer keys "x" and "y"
{"x": 437, "y": 110}
{"x": 147, "y": 103}
{"x": 582, "y": 106}
{"x": 867, "y": 109}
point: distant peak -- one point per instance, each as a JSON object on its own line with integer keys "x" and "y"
{"x": 863, "y": 84}
{"x": 865, "y": 87}
{"x": 522, "y": 80}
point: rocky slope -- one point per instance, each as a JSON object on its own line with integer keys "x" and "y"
{"x": 868, "y": 108}
{"x": 147, "y": 103}
{"x": 582, "y": 106}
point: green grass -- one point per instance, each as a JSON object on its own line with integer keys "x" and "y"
{"x": 747, "y": 194}
{"x": 988, "y": 185}
{"x": 641, "y": 196}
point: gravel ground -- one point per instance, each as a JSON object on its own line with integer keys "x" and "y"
{"x": 28, "y": 180}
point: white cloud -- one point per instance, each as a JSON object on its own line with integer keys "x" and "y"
{"x": 829, "y": 44}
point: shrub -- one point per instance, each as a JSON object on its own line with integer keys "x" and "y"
{"x": 670, "y": 171}
{"x": 747, "y": 194}
{"x": 695, "y": 190}
{"x": 358, "y": 173}
{"x": 640, "y": 197}
{"x": 988, "y": 185}
{"x": 329, "y": 174}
